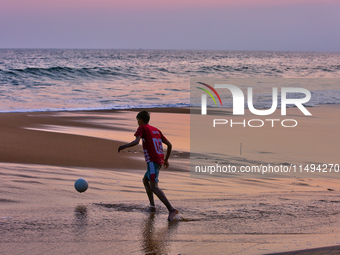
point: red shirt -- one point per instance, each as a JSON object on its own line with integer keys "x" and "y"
{"x": 152, "y": 143}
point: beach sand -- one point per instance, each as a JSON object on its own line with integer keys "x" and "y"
{"x": 42, "y": 154}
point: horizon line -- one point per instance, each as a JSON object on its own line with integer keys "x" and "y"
{"x": 150, "y": 49}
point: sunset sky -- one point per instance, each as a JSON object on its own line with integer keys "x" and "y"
{"x": 293, "y": 25}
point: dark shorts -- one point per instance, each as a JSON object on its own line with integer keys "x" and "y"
{"x": 152, "y": 172}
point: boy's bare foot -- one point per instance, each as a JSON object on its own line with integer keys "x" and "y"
{"x": 152, "y": 208}
{"x": 172, "y": 213}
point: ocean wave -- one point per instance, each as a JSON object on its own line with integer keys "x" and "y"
{"x": 102, "y": 79}
{"x": 65, "y": 72}
{"x": 98, "y": 108}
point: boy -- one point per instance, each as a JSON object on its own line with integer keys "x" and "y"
{"x": 153, "y": 151}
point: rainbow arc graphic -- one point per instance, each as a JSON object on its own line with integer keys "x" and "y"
{"x": 209, "y": 93}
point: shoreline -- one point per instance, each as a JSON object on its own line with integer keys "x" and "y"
{"x": 91, "y": 138}
{"x": 24, "y": 142}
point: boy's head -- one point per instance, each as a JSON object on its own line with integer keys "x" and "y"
{"x": 143, "y": 117}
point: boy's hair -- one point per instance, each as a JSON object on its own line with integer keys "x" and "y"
{"x": 144, "y": 115}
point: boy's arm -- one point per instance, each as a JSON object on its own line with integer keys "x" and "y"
{"x": 168, "y": 151}
{"x": 133, "y": 143}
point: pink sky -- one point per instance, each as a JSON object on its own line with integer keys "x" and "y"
{"x": 148, "y": 4}
{"x": 298, "y": 25}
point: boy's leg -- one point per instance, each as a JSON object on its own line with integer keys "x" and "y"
{"x": 160, "y": 194}
{"x": 150, "y": 182}
{"x": 148, "y": 191}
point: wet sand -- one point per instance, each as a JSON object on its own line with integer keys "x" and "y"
{"x": 42, "y": 154}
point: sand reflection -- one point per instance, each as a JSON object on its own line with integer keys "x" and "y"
{"x": 156, "y": 240}
{"x": 81, "y": 221}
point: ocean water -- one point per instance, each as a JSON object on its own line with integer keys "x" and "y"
{"x": 58, "y": 79}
